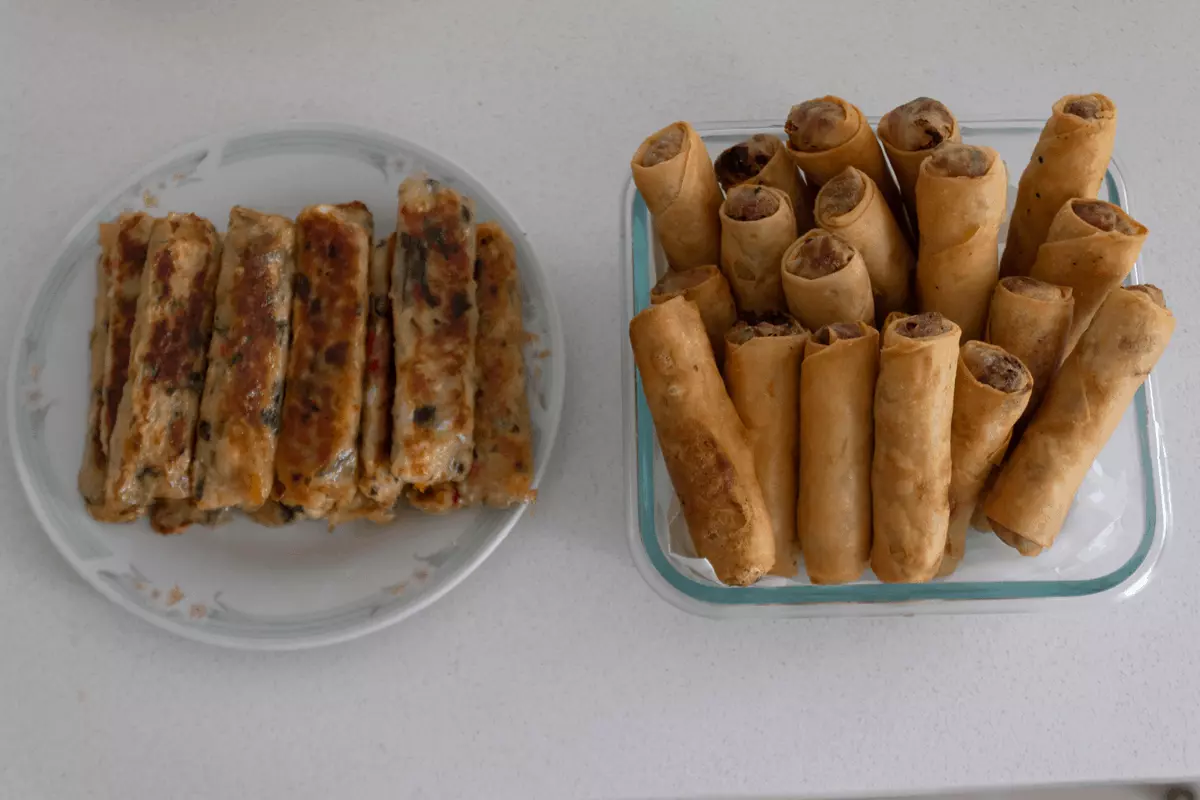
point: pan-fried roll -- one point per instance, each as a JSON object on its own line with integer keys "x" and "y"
{"x": 763, "y": 160}
{"x": 316, "y": 460}
{"x": 435, "y": 318}
{"x": 825, "y": 280}
{"x": 673, "y": 172}
{"x": 757, "y": 226}
{"x": 909, "y": 133}
{"x": 175, "y": 516}
{"x": 247, "y": 358}
{"x": 762, "y": 371}
{"x": 150, "y": 455}
{"x": 851, "y": 206}
{"x": 1069, "y": 160}
{"x": 1097, "y": 382}
{"x": 708, "y": 289}
{"x": 703, "y": 442}
{"x": 1091, "y": 247}
{"x": 910, "y": 472}
{"x": 837, "y": 397}
{"x": 375, "y": 477}
{"x": 960, "y": 205}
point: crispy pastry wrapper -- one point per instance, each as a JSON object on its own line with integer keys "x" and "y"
{"x": 852, "y": 206}
{"x": 910, "y": 472}
{"x": 1091, "y": 246}
{"x": 675, "y": 175}
{"x": 757, "y": 226}
{"x": 961, "y": 193}
{"x": 708, "y": 289}
{"x": 762, "y": 371}
{"x": 1079, "y": 413}
{"x": 176, "y": 516}
{"x": 909, "y": 133}
{"x": 837, "y": 438}
{"x": 703, "y": 442}
{"x": 376, "y": 480}
{"x": 825, "y": 280}
{"x": 1069, "y": 160}
{"x": 991, "y": 390}
{"x": 763, "y": 160}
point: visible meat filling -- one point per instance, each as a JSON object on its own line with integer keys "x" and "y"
{"x": 750, "y": 203}
{"x": 1151, "y": 291}
{"x": 953, "y": 160}
{"x": 1032, "y": 287}
{"x": 842, "y": 194}
{"x": 1088, "y": 106}
{"x": 762, "y": 326}
{"x": 920, "y": 124}
{"x": 746, "y": 159}
{"x": 817, "y": 125}
{"x": 996, "y": 368}
{"x": 838, "y": 331}
{"x": 923, "y": 326}
{"x": 820, "y": 254}
{"x": 1104, "y": 216}
{"x": 667, "y": 145}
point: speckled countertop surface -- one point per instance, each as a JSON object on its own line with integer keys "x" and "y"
{"x": 554, "y": 671}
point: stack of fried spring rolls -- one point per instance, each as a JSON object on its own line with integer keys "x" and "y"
{"x": 1069, "y": 160}
{"x": 763, "y": 160}
{"x": 757, "y": 226}
{"x": 909, "y": 134}
{"x": 825, "y": 280}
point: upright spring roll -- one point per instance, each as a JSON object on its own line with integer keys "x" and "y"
{"x": 435, "y": 318}
{"x": 1069, "y": 160}
{"x": 909, "y": 133}
{"x": 1097, "y": 382}
{"x": 1029, "y": 319}
{"x": 243, "y": 388}
{"x": 703, "y": 442}
{"x": 763, "y": 160}
{"x": 150, "y": 455}
{"x": 762, "y": 371}
{"x": 1091, "y": 247}
{"x": 826, "y": 135}
{"x": 991, "y": 389}
{"x": 960, "y": 205}
{"x": 852, "y": 206}
{"x": 708, "y": 289}
{"x": 316, "y": 460}
{"x": 375, "y": 477}
{"x": 910, "y": 473}
{"x": 837, "y": 437}
{"x": 757, "y": 226}
{"x": 825, "y": 280}
{"x": 673, "y": 172}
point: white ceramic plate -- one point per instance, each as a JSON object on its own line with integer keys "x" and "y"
{"x": 242, "y": 585}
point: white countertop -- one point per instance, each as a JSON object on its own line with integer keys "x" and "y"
{"x": 555, "y": 671}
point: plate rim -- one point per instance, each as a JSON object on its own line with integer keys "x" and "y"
{"x": 555, "y": 393}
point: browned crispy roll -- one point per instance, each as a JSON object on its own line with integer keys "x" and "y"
{"x": 708, "y": 289}
{"x": 826, "y": 135}
{"x": 1030, "y": 318}
{"x": 703, "y": 442}
{"x": 909, "y": 133}
{"x": 960, "y": 206}
{"x": 756, "y": 228}
{"x": 95, "y": 460}
{"x": 991, "y": 389}
{"x": 762, "y": 371}
{"x": 1091, "y": 246}
{"x": 376, "y": 480}
{"x": 837, "y": 396}
{"x": 175, "y": 516}
{"x": 852, "y": 206}
{"x": 910, "y": 472}
{"x": 673, "y": 172}
{"x": 825, "y": 280}
{"x": 1069, "y": 160}
{"x": 1097, "y": 382}
{"x": 763, "y": 160}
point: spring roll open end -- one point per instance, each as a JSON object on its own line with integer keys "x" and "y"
{"x": 1105, "y": 216}
{"x": 842, "y": 194}
{"x": 820, "y": 254}
{"x": 676, "y": 281}
{"x": 920, "y": 124}
{"x": 665, "y": 145}
{"x": 995, "y": 368}
{"x": 839, "y": 331}
{"x": 1151, "y": 291}
{"x": 1015, "y": 540}
{"x": 746, "y": 159}
{"x": 1089, "y": 106}
{"x": 750, "y": 203}
{"x": 923, "y": 326}
{"x": 1035, "y": 289}
{"x": 763, "y": 326}
{"x": 818, "y": 125}
{"x": 953, "y": 160}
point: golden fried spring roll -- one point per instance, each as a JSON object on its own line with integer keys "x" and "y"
{"x": 316, "y": 460}
{"x": 909, "y": 133}
{"x": 825, "y": 280}
{"x": 1069, "y": 160}
{"x": 1029, "y": 319}
{"x": 762, "y": 371}
{"x": 910, "y": 472}
{"x": 703, "y": 442}
{"x": 763, "y": 160}
{"x": 375, "y": 477}
{"x": 150, "y": 455}
{"x": 1097, "y": 382}
{"x": 708, "y": 289}
{"x": 1091, "y": 247}
{"x": 436, "y": 318}
{"x": 673, "y": 172}
{"x": 757, "y": 226}
{"x": 852, "y": 206}
{"x": 826, "y": 135}
{"x": 837, "y": 397}
{"x": 991, "y": 389}
{"x": 243, "y": 388}
{"x": 960, "y": 205}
